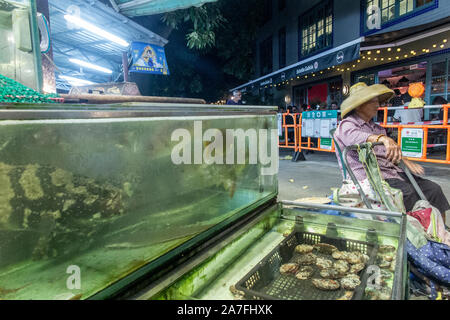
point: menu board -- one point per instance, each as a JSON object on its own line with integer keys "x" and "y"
{"x": 318, "y": 124}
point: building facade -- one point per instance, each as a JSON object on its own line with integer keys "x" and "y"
{"x": 312, "y": 51}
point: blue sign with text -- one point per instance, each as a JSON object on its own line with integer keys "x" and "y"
{"x": 148, "y": 58}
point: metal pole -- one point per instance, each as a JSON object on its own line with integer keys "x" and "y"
{"x": 343, "y": 209}
{"x": 125, "y": 66}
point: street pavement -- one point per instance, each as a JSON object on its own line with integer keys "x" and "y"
{"x": 316, "y": 176}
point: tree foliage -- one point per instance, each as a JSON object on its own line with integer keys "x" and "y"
{"x": 204, "y": 21}
{"x": 226, "y": 28}
{"x": 210, "y": 50}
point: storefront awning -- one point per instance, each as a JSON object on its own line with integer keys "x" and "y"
{"x": 133, "y": 8}
{"x": 330, "y": 58}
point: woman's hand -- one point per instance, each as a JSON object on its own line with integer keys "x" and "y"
{"x": 414, "y": 167}
{"x": 393, "y": 151}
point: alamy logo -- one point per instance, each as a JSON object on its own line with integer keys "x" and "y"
{"x": 74, "y": 11}
{"x": 226, "y": 147}
{"x": 373, "y": 17}
{"x": 74, "y": 280}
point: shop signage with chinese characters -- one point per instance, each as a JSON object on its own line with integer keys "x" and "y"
{"x": 148, "y": 58}
{"x": 412, "y": 143}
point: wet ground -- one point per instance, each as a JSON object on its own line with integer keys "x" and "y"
{"x": 315, "y": 177}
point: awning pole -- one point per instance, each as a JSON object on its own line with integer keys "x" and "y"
{"x": 125, "y": 66}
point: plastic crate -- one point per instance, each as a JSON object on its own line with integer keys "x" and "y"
{"x": 265, "y": 282}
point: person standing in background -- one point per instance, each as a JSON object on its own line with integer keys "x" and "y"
{"x": 334, "y": 105}
{"x": 439, "y": 101}
{"x": 236, "y": 98}
{"x": 397, "y": 100}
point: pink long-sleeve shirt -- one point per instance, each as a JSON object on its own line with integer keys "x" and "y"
{"x": 354, "y": 130}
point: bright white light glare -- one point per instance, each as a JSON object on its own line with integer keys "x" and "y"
{"x": 90, "y": 27}
{"x": 75, "y": 81}
{"x": 90, "y": 65}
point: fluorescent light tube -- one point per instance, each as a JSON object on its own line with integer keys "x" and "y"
{"x": 90, "y": 65}
{"x": 75, "y": 81}
{"x": 90, "y": 27}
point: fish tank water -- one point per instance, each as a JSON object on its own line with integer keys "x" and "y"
{"x": 19, "y": 42}
{"x": 91, "y": 194}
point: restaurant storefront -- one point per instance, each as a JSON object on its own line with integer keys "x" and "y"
{"x": 396, "y": 59}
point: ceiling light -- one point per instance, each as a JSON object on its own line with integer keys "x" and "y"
{"x": 75, "y": 81}
{"x": 96, "y": 30}
{"x": 90, "y": 65}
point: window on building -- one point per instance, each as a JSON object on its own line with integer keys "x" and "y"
{"x": 335, "y": 92}
{"x": 282, "y": 47}
{"x": 266, "y": 56}
{"x": 281, "y": 5}
{"x": 440, "y": 80}
{"x": 392, "y": 10}
{"x": 316, "y": 29}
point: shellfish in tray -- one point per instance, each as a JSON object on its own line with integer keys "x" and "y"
{"x": 348, "y": 295}
{"x": 341, "y": 266}
{"x": 289, "y": 268}
{"x": 323, "y": 263}
{"x": 386, "y": 249}
{"x": 325, "y": 248}
{"x": 383, "y": 263}
{"x": 340, "y": 255}
{"x": 304, "y": 273}
{"x": 331, "y": 273}
{"x": 382, "y": 294}
{"x": 356, "y": 268}
{"x": 326, "y": 284}
{"x": 307, "y": 259}
{"x": 304, "y": 248}
{"x": 350, "y": 282}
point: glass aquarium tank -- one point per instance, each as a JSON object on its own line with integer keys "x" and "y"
{"x": 19, "y": 42}
{"x": 91, "y": 195}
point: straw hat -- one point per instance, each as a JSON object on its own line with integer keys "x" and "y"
{"x": 361, "y": 93}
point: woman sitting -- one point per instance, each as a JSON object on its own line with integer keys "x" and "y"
{"x": 358, "y": 127}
